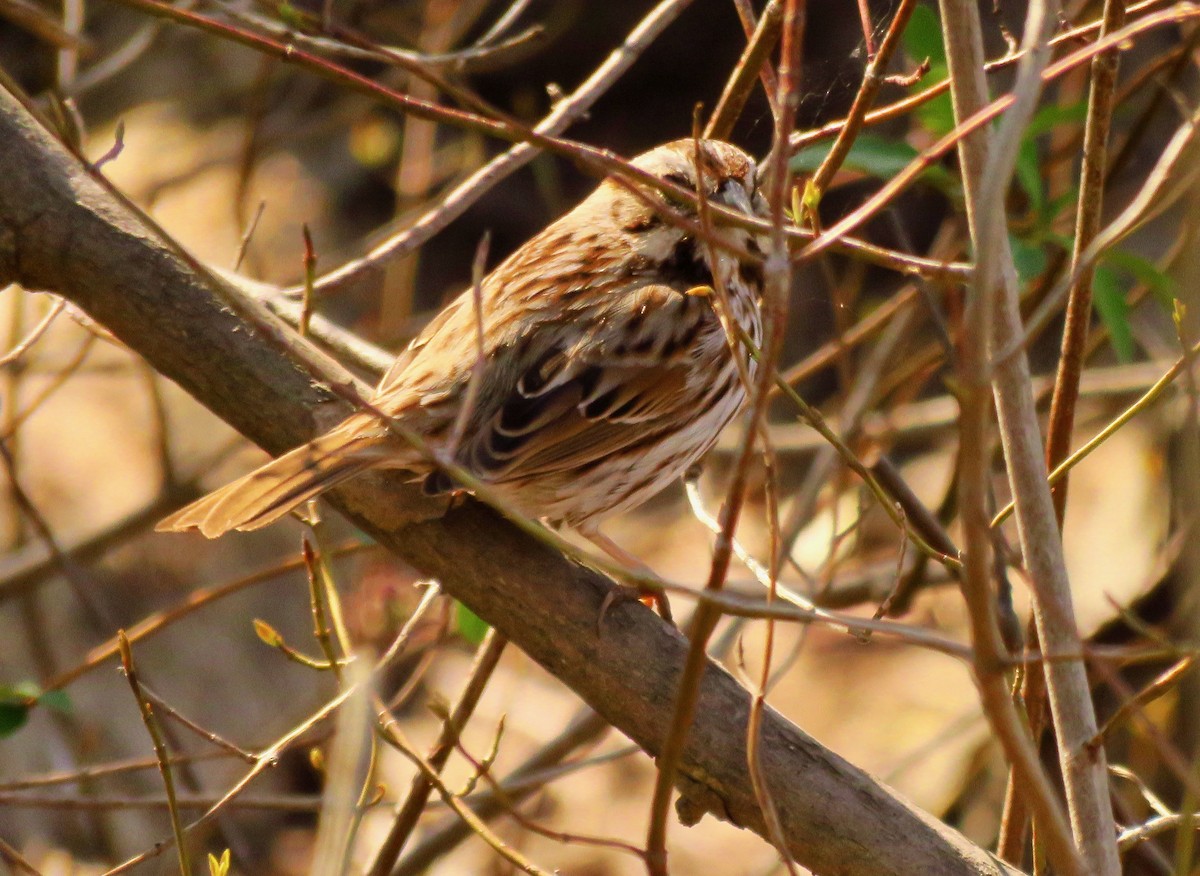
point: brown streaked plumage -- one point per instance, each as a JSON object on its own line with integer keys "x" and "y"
{"x": 606, "y": 375}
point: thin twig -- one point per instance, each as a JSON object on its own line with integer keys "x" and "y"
{"x": 248, "y": 234}
{"x": 987, "y": 166}
{"x": 983, "y": 116}
{"x": 569, "y": 109}
{"x": 290, "y": 803}
{"x": 160, "y": 751}
{"x": 833, "y": 350}
{"x": 1085, "y": 450}
{"x": 770, "y": 79}
{"x": 308, "y": 301}
{"x": 16, "y": 418}
{"x": 777, "y": 276}
{"x": 1159, "y": 686}
{"x": 1167, "y": 181}
{"x": 759, "y": 780}
{"x": 872, "y": 80}
{"x": 461, "y": 809}
{"x": 88, "y": 773}
{"x": 748, "y": 70}
{"x": 482, "y": 770}
{"x": 804, "y": 139}
{"x": 1181, "y": 766}
{"x": 35, "y": 334}
{"x": 196, "y": 600}
{"x": 17, "y": 860}
{"x": 203, "y": 732}
{"x": 1131, "y": 837}
{"x": 506, "y": 20}
{"x": 583, "y": 729}
{"x": 487, "y": 657}
{"x": 319, "y": 596}
{"x": 458, "y": 61}
{"x": 270, "y": 755}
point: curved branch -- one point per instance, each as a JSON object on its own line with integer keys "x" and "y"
{"x": 63, "y": 228}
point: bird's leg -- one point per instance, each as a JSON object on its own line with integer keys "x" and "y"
{"x": 648, "y": 594}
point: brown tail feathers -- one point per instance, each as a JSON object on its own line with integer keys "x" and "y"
{"x": 270, "y": 492}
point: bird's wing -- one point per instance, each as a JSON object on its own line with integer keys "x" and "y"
{"x": 630, "y": 376}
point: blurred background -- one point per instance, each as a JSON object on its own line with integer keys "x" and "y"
{"x": 235, "y": 153}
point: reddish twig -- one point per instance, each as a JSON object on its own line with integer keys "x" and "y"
{"x": 1101, "y": 101}
{"x": 979, "y": 119}
{"x": 750, "y": 67}
{"x": 872, "y": 81}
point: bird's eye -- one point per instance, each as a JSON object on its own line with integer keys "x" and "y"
{"x": 680, "y": 180}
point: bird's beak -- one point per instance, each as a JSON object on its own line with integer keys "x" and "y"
{"x": 733, "y": 194}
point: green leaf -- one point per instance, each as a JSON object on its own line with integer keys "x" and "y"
{"x": 877, "y": 156}
{"x": 1108, "y": 295}
{"x": 19, "y": 692}
{"x": 923, "y": 40}
{"x": 56, "y": 700}
{"x": 811, "y": 200}
{"x": 1063, "y": 204}
{"x": 923, "y": 37}
{"x": 16, "y": 701}
{"x": 869, "y": 153}
{"x": 1029, "y": 258}
{"x": 1050, "y": 117}
{"x": 1029, "y": 175}
{"x": 290, "y": 15}
{"x": 12, "y": 718}
{"x": 937, "y": 116}
{"x": 470, "y": 626}
{"x": 1063, "y": 241}
{"x": 1163, "y": 286}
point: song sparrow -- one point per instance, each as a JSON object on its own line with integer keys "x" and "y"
{"x": 606, "y": 371}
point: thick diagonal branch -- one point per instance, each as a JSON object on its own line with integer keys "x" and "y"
{"x": 61, "y": 229}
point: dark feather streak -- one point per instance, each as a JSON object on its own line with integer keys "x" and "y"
{"x": 685, "y": 269}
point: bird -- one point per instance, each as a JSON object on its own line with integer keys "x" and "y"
{"x": 606, "y": 369}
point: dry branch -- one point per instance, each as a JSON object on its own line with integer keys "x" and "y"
{"x": 63, "y": 229}
{"x": 992, "y": 319}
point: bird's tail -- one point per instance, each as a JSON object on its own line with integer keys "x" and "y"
{"x": 269, "y": 492}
